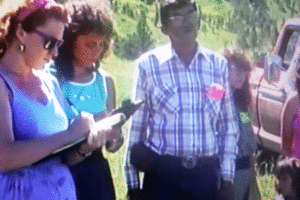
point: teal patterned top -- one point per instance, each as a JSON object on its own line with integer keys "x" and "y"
{"x": 90, "y": 97}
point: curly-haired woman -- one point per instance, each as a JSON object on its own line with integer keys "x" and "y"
{"x": 88, "y": 88}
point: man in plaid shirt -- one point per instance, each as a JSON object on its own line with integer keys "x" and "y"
{"x": 175, "y": 136}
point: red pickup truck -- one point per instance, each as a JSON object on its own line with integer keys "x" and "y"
{"x": 274, "y": 97}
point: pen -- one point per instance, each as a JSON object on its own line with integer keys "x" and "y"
{"x": 72, "y": 107}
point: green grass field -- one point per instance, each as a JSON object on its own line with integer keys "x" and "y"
{"x": 123, "y": 70}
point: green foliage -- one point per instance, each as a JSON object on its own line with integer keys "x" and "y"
{"x": 131, "y": 46}
{"x": 254, "y": 27}
{"x": 61, "y": 1}
{"x": 149, "y": 2}
{"x": 257, "y": 23}
{"x": 156, "y": 19}
{"x": 128, "y": 8}
{"x": 266, "y": 185}
{"x": 264, "y": 167}
{"x": 288, "y": 7}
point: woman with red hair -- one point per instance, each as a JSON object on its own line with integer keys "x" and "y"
{"x": 245, "y": 186}
{"x": 33, "y": 122}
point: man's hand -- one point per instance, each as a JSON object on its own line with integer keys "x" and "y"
{"x": 134, "y": 194}
{"x": 226, "y": 192}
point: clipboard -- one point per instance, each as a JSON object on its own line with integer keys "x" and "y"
{"x": 116, "y": 118}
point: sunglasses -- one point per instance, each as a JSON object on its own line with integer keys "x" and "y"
{"x": 178, "y": 20}
{"x": 49, "y": 41}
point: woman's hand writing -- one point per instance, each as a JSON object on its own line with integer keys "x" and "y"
{"x": 82, "y": 125}
{"x": 96, "y": 139}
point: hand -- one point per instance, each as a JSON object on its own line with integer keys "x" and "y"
{"x": 226, "y": 192}
{"x": 95, "y": 140}
{"x": 82, "y": 125}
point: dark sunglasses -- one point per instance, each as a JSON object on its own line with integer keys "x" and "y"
{"x": 49, "y": 41}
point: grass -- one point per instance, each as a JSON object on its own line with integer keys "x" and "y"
{"x": 266, "y": 185}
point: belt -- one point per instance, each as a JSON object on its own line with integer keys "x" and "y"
{"x": 243, "y": 163}
{"x": 188, "y": 162}
{"x": 145, "y": 159}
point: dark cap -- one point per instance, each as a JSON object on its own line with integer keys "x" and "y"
{"x": 167, "y": 2}
{"x": 165, "y": 6}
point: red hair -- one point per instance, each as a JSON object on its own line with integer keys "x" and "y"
{"x": 239, "y": 60}
{"x": 12, "y": 14}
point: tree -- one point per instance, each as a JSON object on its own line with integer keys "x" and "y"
{"x": 257, "y": 22}
{"x": 61, "y": 1}
{"x": 133, "y": 45}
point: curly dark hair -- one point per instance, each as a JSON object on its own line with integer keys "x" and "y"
{"x": 87, "y": 17}
{"x": 10, "y": 17}
{"x": 291, "y": 167}
{"x": 239, "y": 59}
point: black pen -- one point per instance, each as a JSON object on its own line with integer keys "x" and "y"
{"x": 72, "y": 107}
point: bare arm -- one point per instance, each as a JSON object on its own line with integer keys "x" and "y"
{"x": 16, "y": 154}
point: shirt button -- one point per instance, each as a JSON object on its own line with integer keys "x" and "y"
{"x": 82, "y": 98}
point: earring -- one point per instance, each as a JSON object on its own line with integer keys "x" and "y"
{"x": 21, "y": 48}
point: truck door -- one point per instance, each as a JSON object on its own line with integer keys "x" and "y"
{"x": 272, "y": 96}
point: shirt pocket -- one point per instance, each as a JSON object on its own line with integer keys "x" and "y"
{"x": 166, "y": 99}
{"x": 212, "y": 107}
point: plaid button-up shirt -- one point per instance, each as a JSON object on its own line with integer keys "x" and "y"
{"x": 178, "y": 117}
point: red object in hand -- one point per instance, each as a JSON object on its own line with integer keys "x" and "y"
{"x": 216, "y": 92}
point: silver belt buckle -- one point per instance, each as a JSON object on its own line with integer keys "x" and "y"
{"x": 189, "y": 162}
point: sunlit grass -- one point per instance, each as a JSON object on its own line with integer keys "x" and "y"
{"x": 266, "y": 185}
{"x": 116, "y": 162}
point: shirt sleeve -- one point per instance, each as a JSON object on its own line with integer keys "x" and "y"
{"x": 138, "y": 125}
{"x": 228, "y": 131}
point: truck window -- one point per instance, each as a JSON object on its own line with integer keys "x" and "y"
{"x": 288, "y": 55}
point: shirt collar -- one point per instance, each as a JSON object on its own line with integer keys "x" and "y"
{"x": 166, "y": 52}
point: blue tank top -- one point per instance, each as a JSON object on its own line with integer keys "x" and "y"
{"x": 89, "y": 97}
{"x": 31, "y": 119}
